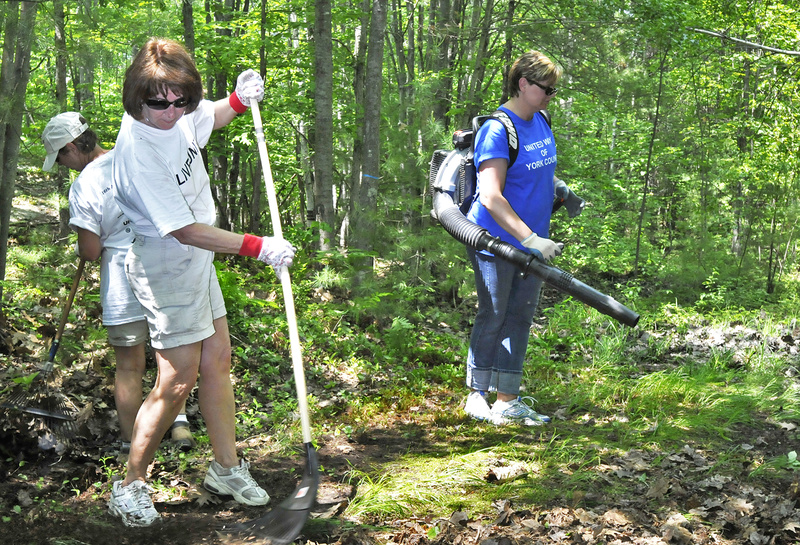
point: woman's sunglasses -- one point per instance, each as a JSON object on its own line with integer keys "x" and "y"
{"x": 163, "y": 104}
{"x": 549, "y": 91}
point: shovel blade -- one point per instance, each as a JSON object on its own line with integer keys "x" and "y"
{"x": 283, "y": 524}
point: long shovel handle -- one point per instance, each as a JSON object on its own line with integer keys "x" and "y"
{"x": 64, "y": 315}
{"x": 286, "y": 281}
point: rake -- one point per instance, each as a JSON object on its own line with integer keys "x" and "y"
{"x": 284, "y": 523}
{"x": 40, "y": 399}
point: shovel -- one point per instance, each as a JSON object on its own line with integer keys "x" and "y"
{"x": 284, "y": 523}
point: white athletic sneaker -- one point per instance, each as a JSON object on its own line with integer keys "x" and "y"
{"x": 236, "y": 482}
{"x": 517, "y": 411}
{"x": 477, "y": 406}
{"x": 133, "y": 504}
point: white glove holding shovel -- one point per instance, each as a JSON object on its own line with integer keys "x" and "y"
{"x": 277, "y": 252}
{"x": 249, "y": 86}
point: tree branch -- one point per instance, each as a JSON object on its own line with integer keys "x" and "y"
{"x": 744, "y": 42}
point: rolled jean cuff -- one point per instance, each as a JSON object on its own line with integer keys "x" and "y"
{"x": 508, "y": 383}
{"x": 487, "y": 380}
{"x": 479, "y": 379}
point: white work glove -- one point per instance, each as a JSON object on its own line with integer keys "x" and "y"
{"x": 276, "y": 252}
{"x": 249, "y": 85}
{"x": 565, "y": 196}
{"x": 543, "y": 248}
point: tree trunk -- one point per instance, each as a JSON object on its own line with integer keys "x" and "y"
{"x": 402, "y": 34}
{"x": 365, "y": 197}
{"x": 61, "y": 55}
{"x": 255, "y": 171}
{"x": 83, "y": 67}
{"x": 62, "y": 173}
{"x": 349, "y": 192}
{"x": 744, "y": 143}
{"x": 14, "y": 75}
{"x": 648, "y": 168}
{"x": 477, "y": 50}
{"x": 303, "y": 150}
{"x": 508, "y": 49}
{"x": 323, "y": 124}
{"x": 233, "y": 203}
{"x": 255, "y": 203}
{"x": 439, "y": 49}
{"x": 217, "y": 150}
{"x": 772, "y": 260}
{"x": 187, "y": 18}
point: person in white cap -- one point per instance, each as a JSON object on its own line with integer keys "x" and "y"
{"x": 103, "y": 232}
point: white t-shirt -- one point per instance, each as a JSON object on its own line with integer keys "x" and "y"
{"x": 92, "y": 207}
{"x": 160, "y": 181}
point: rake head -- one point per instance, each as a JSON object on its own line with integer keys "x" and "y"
{"x": 40, "y": 399}
{"x": 283, "y": 524}
{"x": 48, "y": 405}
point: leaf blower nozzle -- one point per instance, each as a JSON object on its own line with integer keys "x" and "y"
{"x": 475, "y": 236}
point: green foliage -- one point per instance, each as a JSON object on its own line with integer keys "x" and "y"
{"x": 715, "y": 171}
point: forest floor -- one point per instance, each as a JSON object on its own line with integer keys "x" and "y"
{"x": 52, "y": 493}
{"x": 659, "y": 497}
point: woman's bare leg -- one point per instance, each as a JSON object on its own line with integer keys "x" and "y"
{"x": 128, "y": 386}
{"x": 215, "y": 393}
{"x": 177, "y": 375}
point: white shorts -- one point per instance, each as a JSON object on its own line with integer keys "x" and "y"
{"x": 177, "y": 286}
{"x": 129, "y": 334}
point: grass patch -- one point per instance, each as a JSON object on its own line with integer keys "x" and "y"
{"x": 435, "y": 485}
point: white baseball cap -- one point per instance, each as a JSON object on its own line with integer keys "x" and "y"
{"x": 60, "y": 131}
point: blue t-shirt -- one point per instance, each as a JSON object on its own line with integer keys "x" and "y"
{"x": 529, "y": 185}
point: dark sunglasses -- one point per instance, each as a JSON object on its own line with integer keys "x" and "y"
{"x": 163, "y": 104}
{"x": 549, "y": 91}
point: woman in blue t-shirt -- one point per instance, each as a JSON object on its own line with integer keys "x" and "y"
{"x": 514, "y": 204}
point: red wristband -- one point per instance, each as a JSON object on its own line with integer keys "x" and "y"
{"x": 251, "y": 246}
{"x": 236, "y": 104}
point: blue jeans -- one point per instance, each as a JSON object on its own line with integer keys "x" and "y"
{"x": 506, "y": 306}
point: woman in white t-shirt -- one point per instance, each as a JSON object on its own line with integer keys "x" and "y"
{"x": 161, "y": 185}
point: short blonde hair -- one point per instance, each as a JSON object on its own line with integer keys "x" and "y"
{"x": 161, "y": 65}
{"x": 533, "y": 66}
